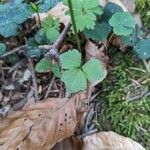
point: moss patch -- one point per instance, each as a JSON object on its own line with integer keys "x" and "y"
{"x": 143, "y": 7}
{"x": 126, "y": 116}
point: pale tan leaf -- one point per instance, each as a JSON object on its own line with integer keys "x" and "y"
{"x": 103, "y": 2}
{"x": 57, "y": 12}
{"x": 129, "y": 4}
{"x": 138, "y": 19}
{"x": 39, "y": 126}
{"x": 110, "y": 141}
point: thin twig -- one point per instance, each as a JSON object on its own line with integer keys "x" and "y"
{"x": 15, "y": 66}
{"x": 13, "y": 51}
{"x": 146, "y": 95}
{"x": 87, "y": 133}
{"x": 53, "y": 49}
{"x": 147, "y": 65}
{"x": 62, "y": 36}
{"x": 88, "y": 120}
{"x": 49, "y": 88}
{"x": 34, "y": 80}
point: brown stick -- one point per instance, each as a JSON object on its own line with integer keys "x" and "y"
{"x": 13, "y": 51}
{"x": 53, "y": 49}
{"x": 34, "y": 80}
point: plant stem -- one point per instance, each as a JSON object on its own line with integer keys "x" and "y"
{"x": 38, "y": 15}
{"x": 74, "y": 24}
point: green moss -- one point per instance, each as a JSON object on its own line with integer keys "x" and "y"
{"x": 143, "y": 7}
{"x": 129, "y": 118}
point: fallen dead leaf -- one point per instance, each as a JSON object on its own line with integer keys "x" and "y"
{"x": 71, "y": 143}
{"x": 103, "y": 2}
{"x": 58, "y": 12}
{"x": 39, "y": 126}
{"x": 129, "y": 4}
{"x": 110, "y": 141}
{"x": 138, "y": 19}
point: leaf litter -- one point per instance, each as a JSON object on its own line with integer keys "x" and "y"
{"x": 41, "y": 124}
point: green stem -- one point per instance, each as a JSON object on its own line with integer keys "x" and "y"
{"x": 74, "y": 24}
{"x": 38, "y": 15}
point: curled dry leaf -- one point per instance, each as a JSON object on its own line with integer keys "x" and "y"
{"x": 115, "y": 40}
{"x": 39, "y": 126}
{"x": 110, "y": 141}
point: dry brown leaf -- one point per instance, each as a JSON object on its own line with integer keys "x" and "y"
{"x": 71, "y": 143}
{"x": 93, "y": 51}
{"x": 115, "y": 40}
{"x": 103, "y": 2}
{"x": 110, "y": 141}
{"x": 129, "y": 4}
{"x": 138, "y": 19}
{"x": 39, "y": 126}
{"x": 58, "y": 12}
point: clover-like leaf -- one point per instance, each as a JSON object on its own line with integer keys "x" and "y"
{"x": 123, "y": 23}
{"x": 70, "y": 59}
{"x": 142, "y": 48}
{"x": 43, "y": 66}
{"x": 121, "y": 30}
{"x": 49, "y": 22}
{"x": 56, "y": 70}
{"x": 2, "y": 48}
{"x": 74, "y": 80}
{"x": 33, "y": 51}
{"x": 11, "y": 15}
{"x": 52, "y": 34}
{"x": 41, "y": 38}
{"x": 133, "y": 38}
{"x": 85, "y": 12}
{"x": 100, "y": 32}
{"x": 93, "y": 69}
{"x": 50, "y": 28}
